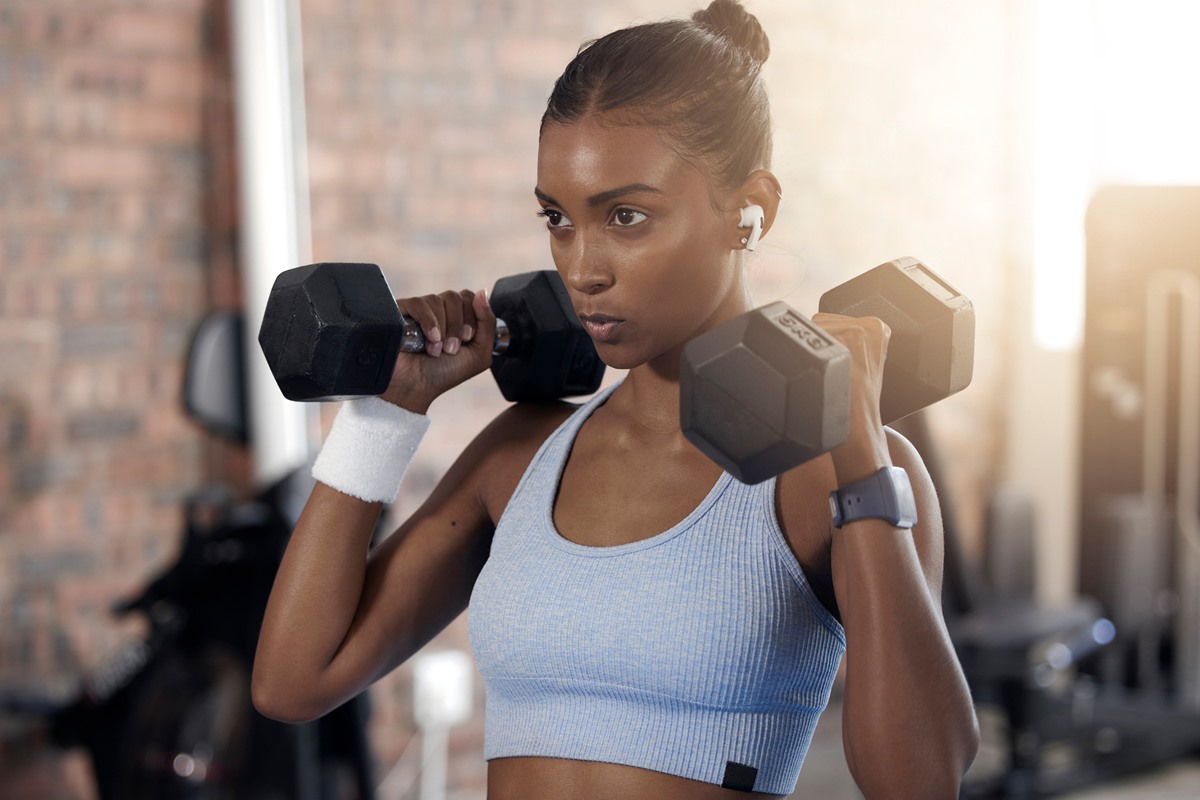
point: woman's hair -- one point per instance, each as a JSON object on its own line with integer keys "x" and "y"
{"x": 697, "y": 79}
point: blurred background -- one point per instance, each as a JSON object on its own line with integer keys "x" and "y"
{"x": 162, "y": 160}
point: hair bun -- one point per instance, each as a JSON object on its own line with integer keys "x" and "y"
{"x": 729, "y": 19}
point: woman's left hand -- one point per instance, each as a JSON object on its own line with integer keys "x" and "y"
{"x": 865, "y": 450}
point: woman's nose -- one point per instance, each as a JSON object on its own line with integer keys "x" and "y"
{"x": 586, "y": 270}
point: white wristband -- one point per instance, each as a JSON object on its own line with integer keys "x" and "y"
{"x": 369, "y": 448}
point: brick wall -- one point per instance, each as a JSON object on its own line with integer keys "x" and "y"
{"x": 895, "y": 135}
{"x": 104, "y": 260}
{"x": 114, "y": 160}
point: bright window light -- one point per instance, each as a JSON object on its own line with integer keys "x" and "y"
{"x": 1115, "y": 88}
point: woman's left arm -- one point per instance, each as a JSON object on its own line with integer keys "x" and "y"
{"x": 908, "y": 723}
{"x": 909, "y": 726}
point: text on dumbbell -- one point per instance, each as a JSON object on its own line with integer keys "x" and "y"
{"x": 799, "y": 327}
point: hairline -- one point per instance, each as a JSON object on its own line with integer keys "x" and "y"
{"x": 636, "y": 117}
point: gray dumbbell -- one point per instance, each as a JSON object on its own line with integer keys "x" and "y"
{"x": 770, "y": 390}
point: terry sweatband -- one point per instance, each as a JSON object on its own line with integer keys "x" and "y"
{"x": 369, "y": 448}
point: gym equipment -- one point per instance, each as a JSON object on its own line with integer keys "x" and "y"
{"x": 169, "y": 714}
{"x": 1067, "y": 718}
{"x": 332, "y": 331}
{"x": 770, "y": 390}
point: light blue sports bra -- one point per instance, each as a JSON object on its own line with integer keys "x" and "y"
{"x": 700, "y": 652}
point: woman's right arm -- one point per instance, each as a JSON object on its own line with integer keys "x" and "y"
{"x": 338, "y": 618}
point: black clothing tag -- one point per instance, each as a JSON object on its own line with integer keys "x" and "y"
{"x": 739, "y": 777}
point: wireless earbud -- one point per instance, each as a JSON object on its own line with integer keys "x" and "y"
{"x": 753, "y": 217}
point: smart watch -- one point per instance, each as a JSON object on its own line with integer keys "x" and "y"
{"x": 886, "y": 495}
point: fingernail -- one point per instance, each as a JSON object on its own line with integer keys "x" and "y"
{"x": 434, "y": 334}
{"x": 452, "y": 346}
{"x": 468, "y": 333}
{"x": 433, "y": 348}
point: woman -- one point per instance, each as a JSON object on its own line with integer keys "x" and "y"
{"x": 646, "y": 625}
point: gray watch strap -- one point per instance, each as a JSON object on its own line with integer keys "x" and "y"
{"x": 885, "y": 495}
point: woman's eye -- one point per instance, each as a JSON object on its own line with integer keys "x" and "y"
{"x": 626, "y": 217}
{"x": 554, "y": 219}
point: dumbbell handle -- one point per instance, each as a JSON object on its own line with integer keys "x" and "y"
{"x": 413, "y": 339}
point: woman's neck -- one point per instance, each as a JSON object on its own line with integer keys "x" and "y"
{"x": 649, "y": 396}
{"x": 648, "y": 400}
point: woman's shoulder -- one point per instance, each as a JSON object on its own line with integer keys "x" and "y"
{"x": 905, "y": 454}
{"x": 507, "y": 445}
{"x": 816, "y": 478}
{"x": 522, "y": 426}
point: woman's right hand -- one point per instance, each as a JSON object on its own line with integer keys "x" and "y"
{"x": 459, "y": 330}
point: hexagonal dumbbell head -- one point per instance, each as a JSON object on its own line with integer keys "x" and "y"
{"x": 550, "y": 354}
{"x": 331, "y": 331}
{"x": 765, "y": 392}
{"x": 931, "y": 354}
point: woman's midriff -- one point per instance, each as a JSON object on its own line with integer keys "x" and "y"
{"x": 564, "y": 779}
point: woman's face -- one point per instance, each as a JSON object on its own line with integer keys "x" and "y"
{"x": 647, "y": 259}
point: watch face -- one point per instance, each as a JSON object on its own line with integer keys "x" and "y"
{"x": 834, "y": 510}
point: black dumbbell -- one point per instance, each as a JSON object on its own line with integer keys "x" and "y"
{"x": 770, "y": 390}
{"x": 332, "y": 331}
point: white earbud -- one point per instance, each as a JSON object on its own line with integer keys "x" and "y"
{"x": 753, "y": 217}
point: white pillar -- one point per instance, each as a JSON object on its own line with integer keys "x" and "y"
{"x": 273, "y": 191}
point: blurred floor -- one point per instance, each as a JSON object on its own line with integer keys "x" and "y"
{"x": 825, "y": 776}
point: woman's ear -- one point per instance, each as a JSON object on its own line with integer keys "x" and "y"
{"x": 755, "y": 204}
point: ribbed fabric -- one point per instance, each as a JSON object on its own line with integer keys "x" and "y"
{"x": 680, "y": 653}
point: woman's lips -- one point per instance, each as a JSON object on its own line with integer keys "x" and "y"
{"x": 601, "y": 327}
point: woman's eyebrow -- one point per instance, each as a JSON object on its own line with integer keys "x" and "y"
{"x": 603, "y": 197}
